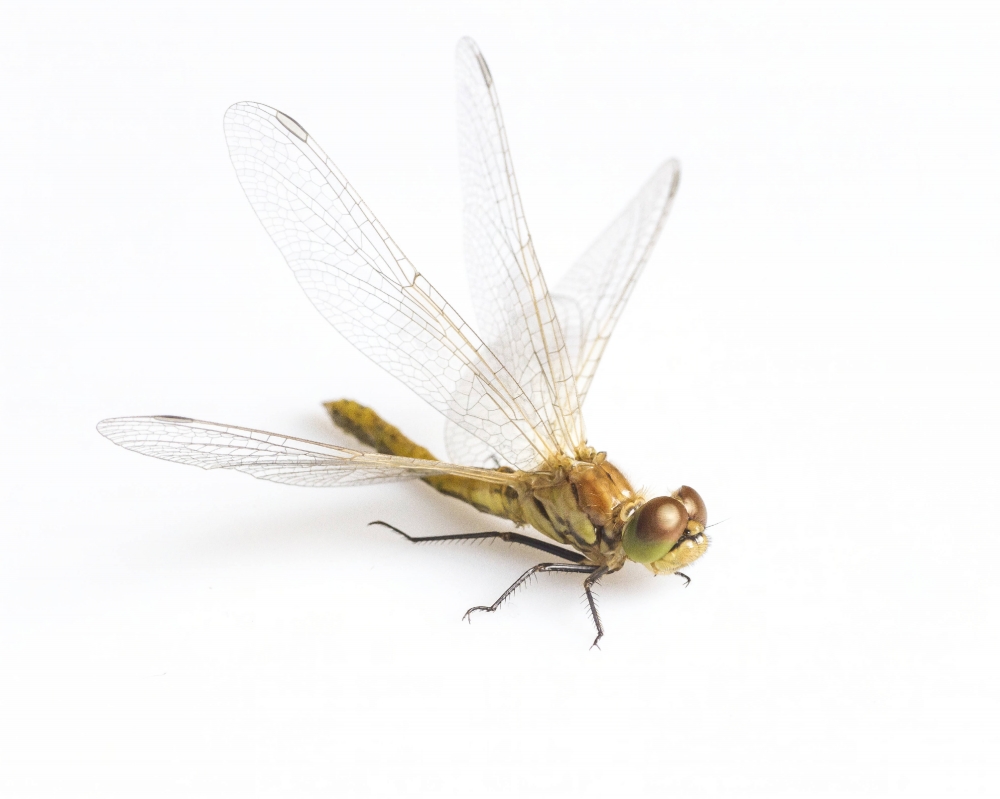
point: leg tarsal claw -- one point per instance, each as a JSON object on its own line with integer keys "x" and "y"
{"x": 466, "y": 616}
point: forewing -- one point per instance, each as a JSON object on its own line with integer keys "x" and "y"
{"x": 514, "y": 311}
{"x": 591, "y": 296}
{"x": 269, "y": 456}
{"x": 361, "y": 281}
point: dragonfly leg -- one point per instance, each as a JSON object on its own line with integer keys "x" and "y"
{"x": 594, "y": 573}
{"x": 588, "y": 584}
{"x": 579, "y": 568}
{"x": 688, "y": 579}
{"x": 511, "y": 537}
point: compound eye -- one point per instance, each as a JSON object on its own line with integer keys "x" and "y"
{"x": 693, "y": 503}
{"x": 655, "y": 529}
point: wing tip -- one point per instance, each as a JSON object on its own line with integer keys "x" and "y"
{"x": 466, "y": 43}
{"x": 249, "y": 107}
{"x": 107, "y": 427}
{"x": 241, "y": 107}
{"x": 671, "y": 167}
{"x": 468, "y": 49}
{"x": 675, "y": 182}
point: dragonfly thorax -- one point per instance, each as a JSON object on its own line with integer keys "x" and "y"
{"x": 586, "y": 506}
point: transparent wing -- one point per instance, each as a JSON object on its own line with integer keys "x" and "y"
{"x": 359, "y": 279}
{"x": 591, "y": 296}
{"x": 514, "y": 312}
{"x": 464, "y": 448}
{"x": 270, "y": 456}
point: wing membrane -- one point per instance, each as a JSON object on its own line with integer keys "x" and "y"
{"x": 361, "y": 281}
{"x": 514, "y": 311}
{"x": 591, "y": 296}
{"x": 269, "y": 456}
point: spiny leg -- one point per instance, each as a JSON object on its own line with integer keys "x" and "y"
{"x": 510, "y": 537}
{"x": 594, "y": 573}
{"x": 588, "y": 584}
{"x": 682, "y": 574}
{"x": 579, "y": 568}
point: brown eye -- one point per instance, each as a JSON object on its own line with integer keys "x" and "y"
{"x": 661, "y": 520}
{"x": 693, "y": 503}
{"x": 655, "y": 529}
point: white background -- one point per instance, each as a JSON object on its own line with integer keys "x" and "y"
{"x": 813, "y": 347}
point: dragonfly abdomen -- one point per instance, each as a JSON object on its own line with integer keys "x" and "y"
{"x": 369, "y": 428}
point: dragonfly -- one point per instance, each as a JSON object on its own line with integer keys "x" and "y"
{"x": 511, "y": 389}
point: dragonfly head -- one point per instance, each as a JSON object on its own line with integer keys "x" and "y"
{"x": 667, "y": 533}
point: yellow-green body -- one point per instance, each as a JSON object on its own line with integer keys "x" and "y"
{"x": 583, "y": 503}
